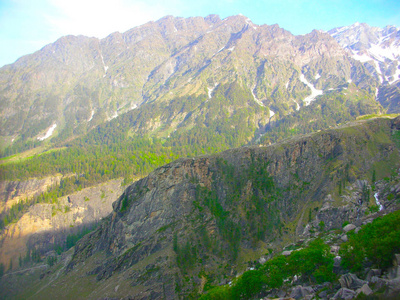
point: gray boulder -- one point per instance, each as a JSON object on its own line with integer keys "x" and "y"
{"x": 351, "y": 281}
{"x": 349, "y": 227}
{"x": 300, "y": 292}
{"x": 287, "y": 252}
{"x": 365, "y": 289}
{"x": 373, "y": 272}
{"x": 344, "y": 293}
{"x": 393, "y": 287}
{"x": 393, "y": 272}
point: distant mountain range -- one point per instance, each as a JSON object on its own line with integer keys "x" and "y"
{"x": 76, "y": 83}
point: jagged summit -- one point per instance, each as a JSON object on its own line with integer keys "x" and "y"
{"x": 379, "y": 48}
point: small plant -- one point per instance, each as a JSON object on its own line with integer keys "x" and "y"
{"x": 321, "y": 225}
{"x": 374, "y": 208}
{"x": 51, "y": 260}
{"x": 67, "y": 209}
{"x": 86, "y": 198}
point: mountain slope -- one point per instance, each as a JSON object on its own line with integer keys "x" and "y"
{"x": 379, "y": 50}
{"x": 76, "y": 83}
{"x": 195, "y": 220}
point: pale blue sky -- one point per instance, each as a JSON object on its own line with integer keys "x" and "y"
{"x": 28, "y": 25}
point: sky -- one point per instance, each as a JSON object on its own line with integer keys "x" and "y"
{"x": 28, "y": 25}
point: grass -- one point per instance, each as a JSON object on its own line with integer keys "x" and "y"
{"x": 20, "y": 157}
{"x": 367, "y": 117}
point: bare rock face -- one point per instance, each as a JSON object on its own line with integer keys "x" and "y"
{"x": 45, "y": 226}
{"x": 13, "y": 191}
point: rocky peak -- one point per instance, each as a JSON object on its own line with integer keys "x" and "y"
{"x": 378, "y": 49}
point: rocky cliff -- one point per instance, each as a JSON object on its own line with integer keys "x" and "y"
{"x": 45, "y": 226}
{"x": 11, "y": 192}
{"x": 193, "y": 221}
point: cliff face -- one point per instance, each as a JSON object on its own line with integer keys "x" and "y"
{"x": 171, "y": 232}
{"x": 46, "y": 226}
{"x": 11, "y": 192}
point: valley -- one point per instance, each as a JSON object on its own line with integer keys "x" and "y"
{"x": 172, "y": 159}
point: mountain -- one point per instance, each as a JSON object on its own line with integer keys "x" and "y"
{"x": 379, "y": 50}
{"x": 197, "y": 223}
{"x": 149, "y": 72}
{"x": 82, "y": 111}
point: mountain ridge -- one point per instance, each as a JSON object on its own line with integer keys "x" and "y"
{"x": 107, "y": 77}
{"x": 224, "y": 201}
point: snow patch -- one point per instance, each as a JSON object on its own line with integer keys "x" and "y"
{"x": 377, "y": 201}
{"x": 248, "y": 21}
{"x": 314, "y": 91}
{"x": 104, "y": 65}
{"x": 297, "y": 105}
{"x": 231, "y": 49}
{"x": 395, "y": 76}
{"x": 48, "y": 133}
{"x": 287, "y": 85}
{"x": 271, "y": 113}
{"x": 317, "y": 76}
{"x": 378, "y": 70}
{"x": 255, "y": 98}
{"x": 210, "y": 90}
{"x": 349, "y": 81}
{"x": 113, "y": 116}
{"x": 380, "y": 53}
{"x": 91, "y": 116}
{"x": 361, "y": 58}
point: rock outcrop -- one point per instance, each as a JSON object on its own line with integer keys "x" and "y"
{"x": 11, "y": 192}
{"x": 46, "y": 226}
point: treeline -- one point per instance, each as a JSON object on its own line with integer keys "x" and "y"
{"x": 120, "y": 148}
{"x": 329, "y": 111}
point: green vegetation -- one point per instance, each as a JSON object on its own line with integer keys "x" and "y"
{"x": 313, "y": 264}
{"x": 376, "y": 242}
{"x": 128, "y": 147}
{"x": 73, "y": 238}
{"x": 371, "y": 116}
{"x": 329, "y": 111}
